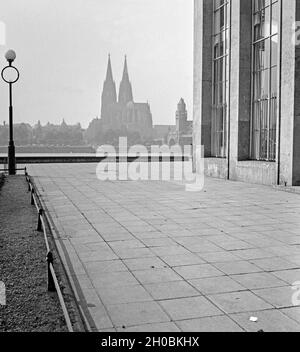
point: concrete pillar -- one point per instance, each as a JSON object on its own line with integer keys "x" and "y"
{"x": 203, "y": 17}
{"x": 240, "y": 83}
{"x": 289, "y": 146}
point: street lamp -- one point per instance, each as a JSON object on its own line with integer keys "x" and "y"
{"x": 10, "y": 75}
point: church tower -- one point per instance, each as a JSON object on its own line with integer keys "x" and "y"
{"x": 109, "y": 94}
{"x": 125, "y": 92}
{"x": 181, "y": 116}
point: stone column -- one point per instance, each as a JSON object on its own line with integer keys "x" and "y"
{"x": 203, "y": 17}
{"x": 289, "y": 146}
{"x": 240, "y": 82}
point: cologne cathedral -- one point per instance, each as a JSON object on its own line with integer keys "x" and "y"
{"x": 121, "y": 112}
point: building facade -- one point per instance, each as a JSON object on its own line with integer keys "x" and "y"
{"x": 247, "y": 89}
{"x": 121, "y": 112}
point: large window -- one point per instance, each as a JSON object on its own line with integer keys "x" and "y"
{"x": 221, "y": 29}
{"x": 265, "y": 72}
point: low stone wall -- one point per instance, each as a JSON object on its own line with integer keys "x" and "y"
{"x": 257, "y": 172}
{"x": 217, "y": 168}
{"x": 249, "y": 171}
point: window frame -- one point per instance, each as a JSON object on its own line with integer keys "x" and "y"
{"x": 220, "y": 87}
{"x": 256, "y": 153}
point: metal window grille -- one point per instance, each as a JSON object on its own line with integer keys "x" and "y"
{"x": 221, "y": 35}
{"x": 264, "y": 79}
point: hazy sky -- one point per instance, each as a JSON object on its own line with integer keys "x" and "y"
{"x": 62, "y": 48}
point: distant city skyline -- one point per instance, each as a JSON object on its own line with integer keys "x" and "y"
{"x": 62, "y": 48}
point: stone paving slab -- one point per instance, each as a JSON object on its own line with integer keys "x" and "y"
{"x": 278, "y": 297}
{"x": 210, "y": 324}
{"x": 149, "y": 256}
{"x": 214, "y": 285}
{"x": 267, "y": 320}
{"x": 191, "y": 307}
{"x": 241, "y": 301}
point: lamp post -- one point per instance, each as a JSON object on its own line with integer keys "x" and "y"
{"x": 10, "y": 75}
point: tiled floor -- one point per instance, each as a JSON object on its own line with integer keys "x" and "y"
{"x": 149, "y": 256}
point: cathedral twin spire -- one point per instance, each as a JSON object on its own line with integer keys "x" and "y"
{"x": 125, "y": 91}
{"x": 116, "y": 113}
{"x": 109, "y": 75}
{"x": 109, "y": 95}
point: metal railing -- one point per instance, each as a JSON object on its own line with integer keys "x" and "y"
{"x": 22, "y": 169}
{"x": 264, "y": 129}
{"x": 53, "y": 285}
{"x": 219, "y": 131}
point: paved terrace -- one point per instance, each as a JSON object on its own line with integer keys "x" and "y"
{"x": 149, "y": 256}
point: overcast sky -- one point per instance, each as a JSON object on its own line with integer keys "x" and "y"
{"x": 62, "y": 48}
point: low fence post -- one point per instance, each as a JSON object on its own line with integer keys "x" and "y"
{"x": 39, "y": 226}
{"x": 32, "y": 199}
{"x": 51, "y": 284}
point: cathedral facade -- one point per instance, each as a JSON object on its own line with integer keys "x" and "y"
{"x": 121, "y": 113}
